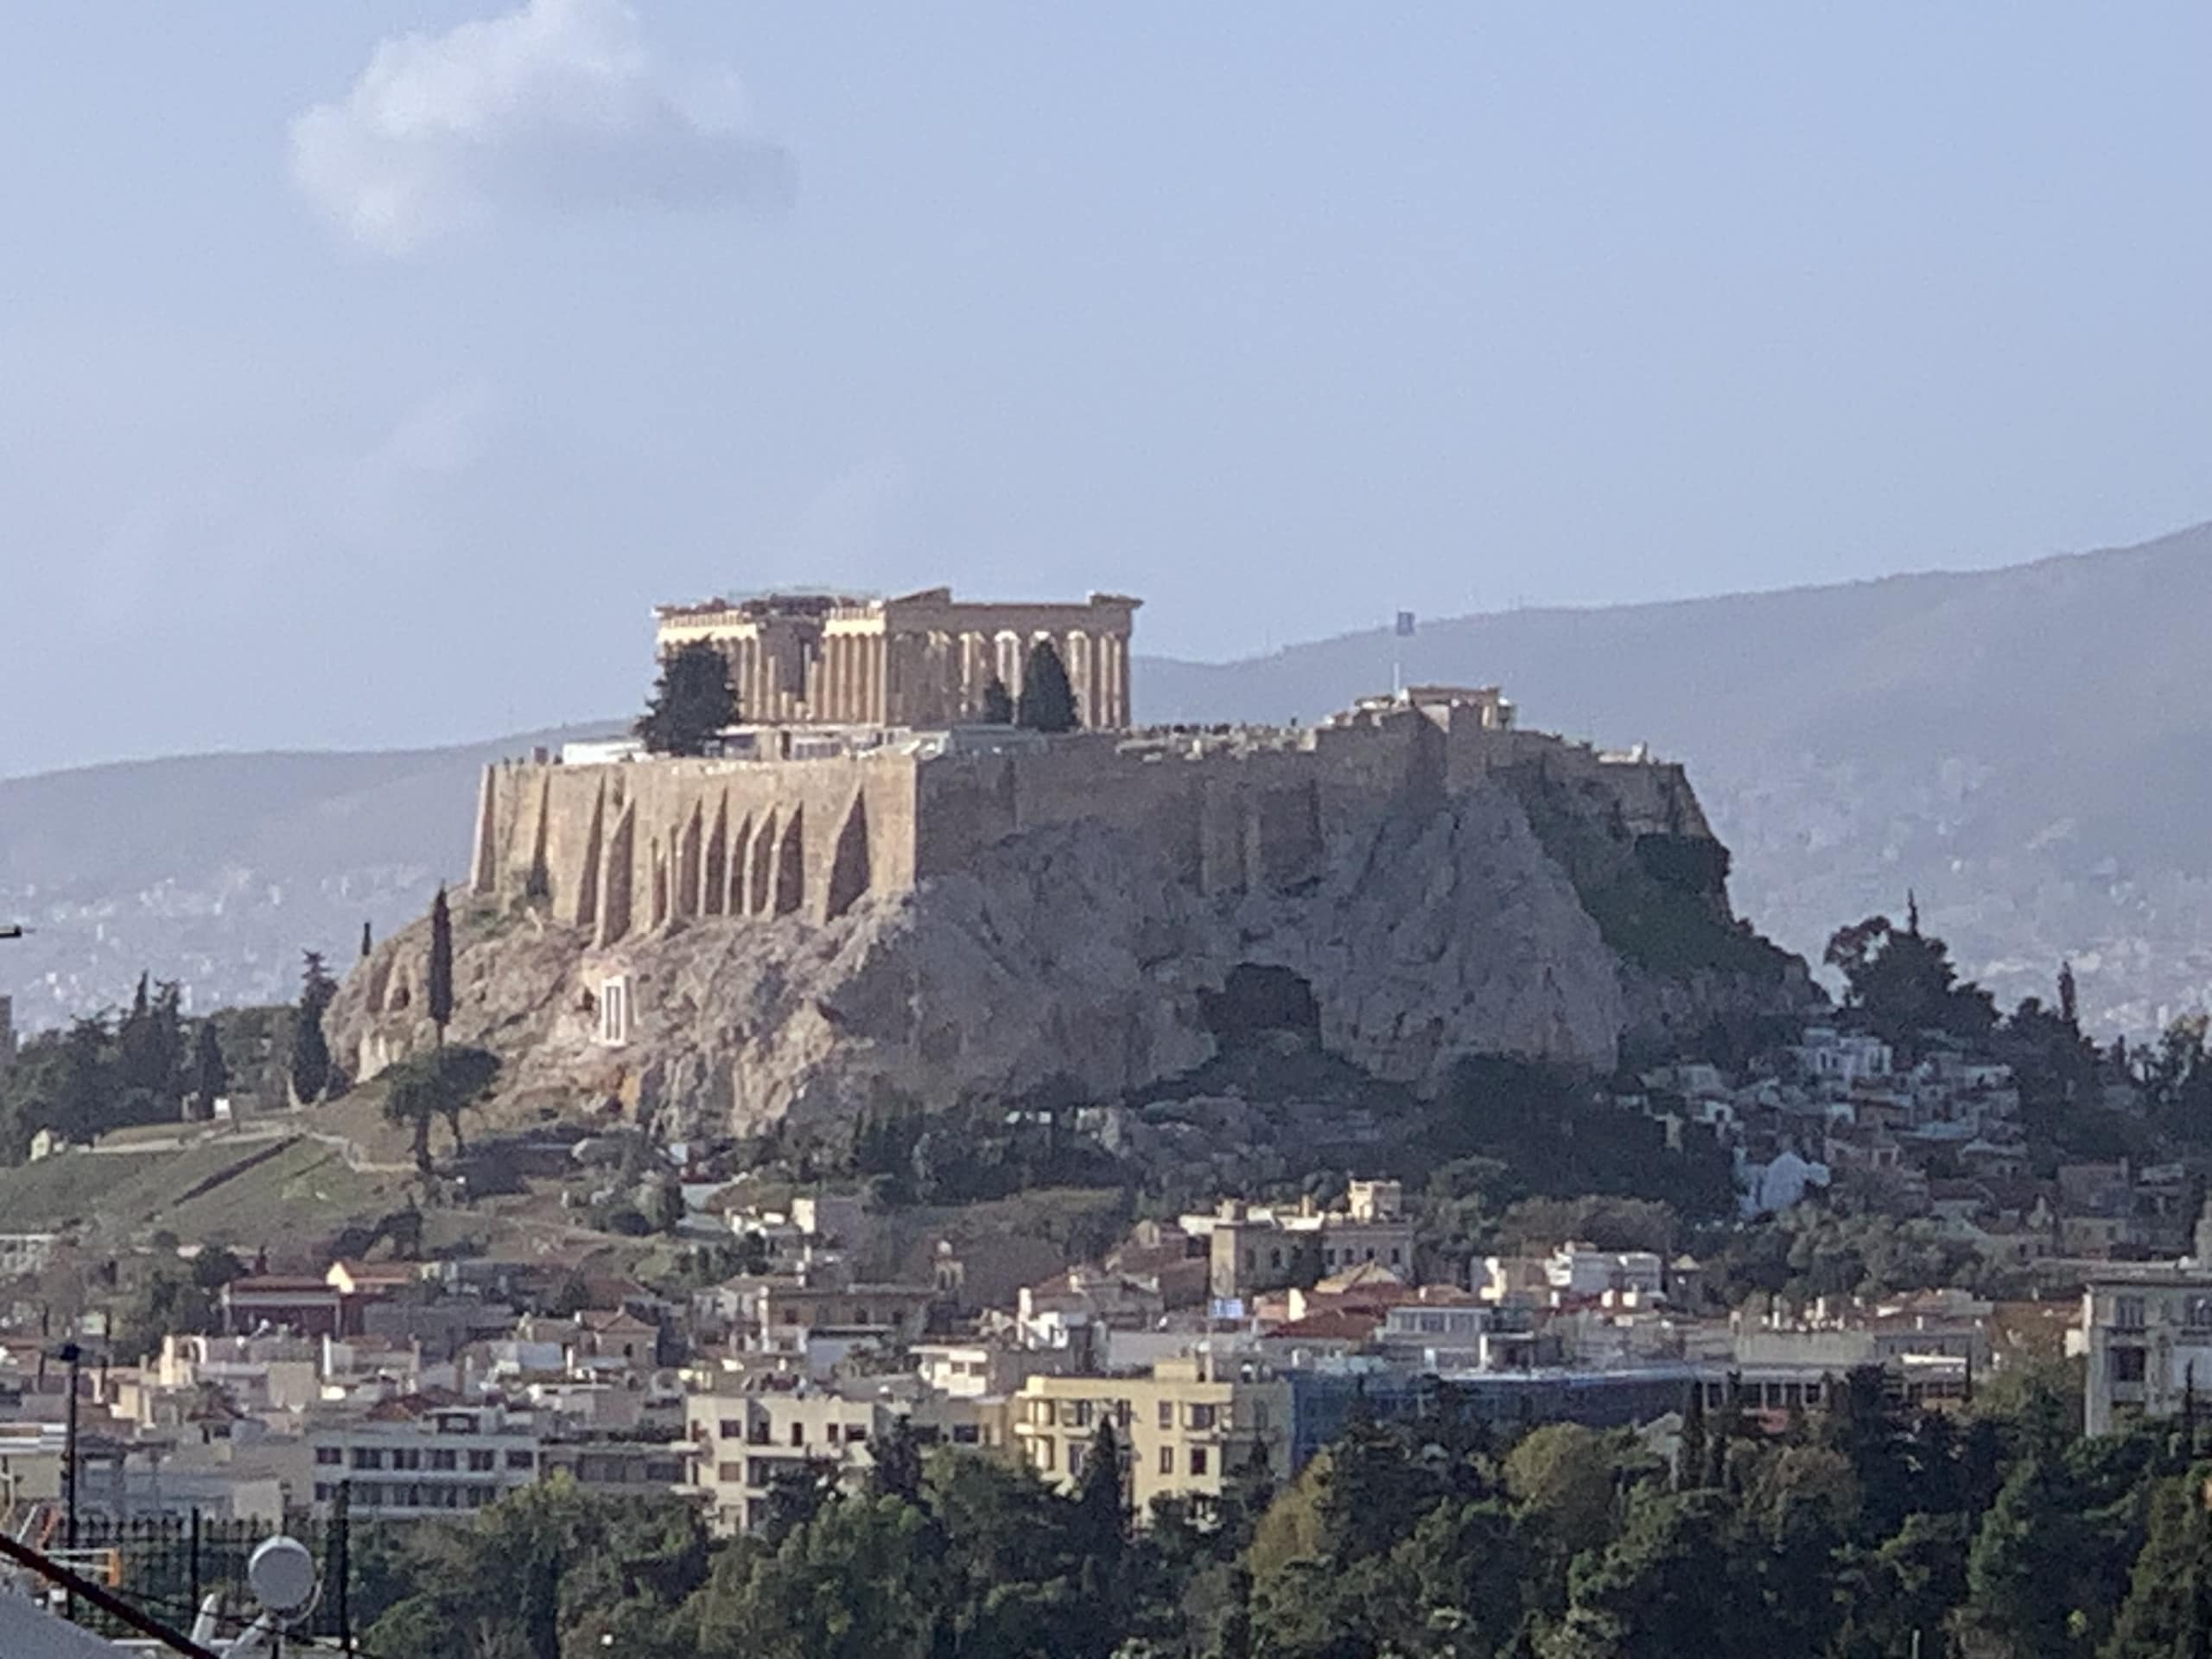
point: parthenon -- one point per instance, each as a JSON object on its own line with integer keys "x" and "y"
{"x": 922, "y": 659}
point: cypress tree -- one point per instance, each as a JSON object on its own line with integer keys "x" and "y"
{"x": 440, "y": 990}
{"x": 211, "y": 1078}
{"x": 998, "y": 704}
{"x": 1047, "y": 701}
{"x": 691, "y": 702}
{"x": 367, "y": 942}
{"x": 1690, "y": 1456}
{"x": 311, "y": 1067}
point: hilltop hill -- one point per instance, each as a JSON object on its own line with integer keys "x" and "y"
{"x": 2027, "y": 747}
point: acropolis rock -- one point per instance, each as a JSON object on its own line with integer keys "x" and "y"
{"x": 925, "y": 918}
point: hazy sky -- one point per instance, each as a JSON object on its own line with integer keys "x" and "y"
{"x": 366, "y": 372}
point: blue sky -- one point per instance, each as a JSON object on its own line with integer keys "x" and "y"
{"x": 367, "y": 372}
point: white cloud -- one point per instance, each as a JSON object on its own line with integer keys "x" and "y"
{"x": 557, "y": 107}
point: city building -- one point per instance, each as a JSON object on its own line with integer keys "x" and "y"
{"x": 408, "y": 1457}
{"x": 1252, "y": 1248}
{"x": 1186, "y": 1430}
{"x": 2147, "y": 1338}
{"x": 747, "y": 1441}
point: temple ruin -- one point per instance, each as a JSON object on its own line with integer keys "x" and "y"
{"x": 922, "y": 659}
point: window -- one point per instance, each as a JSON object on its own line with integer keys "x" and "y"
{"x": 1122, "y": 1414}
{"x": 444, "y": 1460}
{"x": 1197, "y": 1459}
{"x": 967, "y": 1434}
{"x": 663, "y": 1472}
{"x": 2127, "y": 1365}
{"x": 1275, "y": 1257}
{"x": 480, "y": 1461}
{"x": 2198, "y": 1313}
{"x": 1396, "y": 1256}
{"x": 406, "y": 1456}
{"x": 798, "y": 1434}
{"x": 324, "y": 1491}
{"x": 732, "y": 1429}
{"x": 1201, "y": 1417}
{"x": 2128, "y": 1312}
{"x": 479, "y": 1495}
{"x": 1167, "y": 1414}
{"x": 368, "y": 1457}
{"x": 1080, "y": 1416}
{"x": 855, "y": 1433}
{"x": 522, "y": 1459}
{"x": 730, "y": 1473}
{"x": 329, "y": 1455}
{"x": 1074, "y": 1459}
{"x": 1167, "y": 1459}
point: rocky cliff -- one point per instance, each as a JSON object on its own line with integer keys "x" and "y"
{"x": 1067, "y": 956}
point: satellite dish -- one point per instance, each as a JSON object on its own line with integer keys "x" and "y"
{"x": 282, "y": 1574}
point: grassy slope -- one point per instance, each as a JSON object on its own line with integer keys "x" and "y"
{"x": 300, "y": 1191}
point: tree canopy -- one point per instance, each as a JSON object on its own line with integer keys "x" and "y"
{"x": 1903, "y": 982}
{"x": 1047, "y": 701}
{"x": 440, "y": 1083}
{"x": 692, "y": 701}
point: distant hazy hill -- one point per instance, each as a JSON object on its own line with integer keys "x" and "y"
{"x": 2030, "y": 748}
{"x": 219, "y": 870}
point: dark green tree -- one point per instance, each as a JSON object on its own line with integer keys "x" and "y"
{"x": 442, "y": 1083}
{"x": 368, "y": 941}
{"x": 2168, "y": 1612}
{"x": 998, "y": 702}
{"x": 692, "y": 701}
{"x": 896, "y": 1463}
{"x": 1903, "y": 982}
{"x": 1692, "y": 1454}
{"x": 1047, "y": 701}
{"x": 149, "y": 1053}
{"x": 2024, "y": 1572}
{"x": 312, "y": 1070}
{"x": 438, "y": 987}
{"x": 211, "y": 1078}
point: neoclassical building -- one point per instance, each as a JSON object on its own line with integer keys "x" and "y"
{"x": 922, "y": 659}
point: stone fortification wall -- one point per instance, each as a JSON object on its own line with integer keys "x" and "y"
{"x": 626, "y": 847}
{"x": 633, "y": 846}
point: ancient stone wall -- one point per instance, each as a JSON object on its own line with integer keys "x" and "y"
{"x": 633, "y": 846}
{"x": 624, "y": 848}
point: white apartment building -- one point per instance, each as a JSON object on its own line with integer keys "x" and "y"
{"x": 2148, "y": 1339}
{"x": 407, "y": 1458}
{"x": 745, "y": 1441}
{"x": 1579, "y": 1269}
